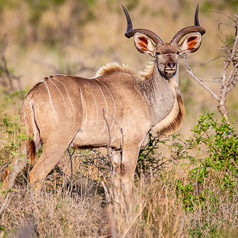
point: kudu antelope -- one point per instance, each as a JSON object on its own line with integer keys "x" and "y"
{"x": 116, "y": 108}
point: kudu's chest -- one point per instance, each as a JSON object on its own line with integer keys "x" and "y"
{"x": 160, "y": 94}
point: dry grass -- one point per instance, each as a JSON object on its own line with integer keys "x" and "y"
{"x": 78, "y": 207}
{"x": 58, "y": 214}
{"x": 154, "y": 211}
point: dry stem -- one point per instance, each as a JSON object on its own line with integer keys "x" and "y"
{"x": 229, "y": 76}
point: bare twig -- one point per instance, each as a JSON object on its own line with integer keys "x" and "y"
{"x": 211, "y": 80}
{"x": 133, "y": 221}
{"x": 189, "y": 71}
{"x": 229, "y": 76}
{"x": 71, "y": 161}
{"x": 211, "y": 60}
{"x": 6, "y": 200}
{"x": 109, "y": 148}
{"x": 236, "y": 37}
{"x": 7, "y": 79}
{"x": 224, "y": 14}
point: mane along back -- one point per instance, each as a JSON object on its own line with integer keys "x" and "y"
{"x": 115, "y": 67}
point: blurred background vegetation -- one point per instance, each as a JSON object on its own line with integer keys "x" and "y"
{"x": 46, "y": 37}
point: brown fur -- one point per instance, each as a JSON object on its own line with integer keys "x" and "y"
{"x": 7, "y": 172}
{"x": 31, "y": 151}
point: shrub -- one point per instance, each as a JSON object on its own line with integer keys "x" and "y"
{"x": 219, "y": 143}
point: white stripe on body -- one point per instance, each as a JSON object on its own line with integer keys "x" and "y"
{"x": 58, "y": 91}
{"x": 84, "y": 109}
{"x": 94, "y": 99}
{"x": 68, "y": 98}
{"x": 51, "y": 103}
{"x": 114, "y": 103}
{"x": 104, "y": 98}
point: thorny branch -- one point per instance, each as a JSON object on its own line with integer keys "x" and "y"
{"x": 229, "y": 76}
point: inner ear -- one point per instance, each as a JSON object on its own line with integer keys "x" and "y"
{"x": 191, "y": 43}
{"x": 144, "y": 44}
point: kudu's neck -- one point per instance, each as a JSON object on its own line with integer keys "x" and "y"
{"x": 160, "y": 93}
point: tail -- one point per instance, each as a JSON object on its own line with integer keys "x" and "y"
{"x": 32, "y": 130}
{"x": 31, "y": 151}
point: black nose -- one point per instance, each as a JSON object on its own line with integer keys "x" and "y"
{"x": 171, "y": 64}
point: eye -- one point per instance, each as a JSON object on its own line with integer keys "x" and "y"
{"x": 157, "y": 53}
{"x": 178, "y": 52}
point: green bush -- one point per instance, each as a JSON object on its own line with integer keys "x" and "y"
{"x": 11, "y": 132}
{"x": 211, "y": 156}
{"x": 219, "y": 143}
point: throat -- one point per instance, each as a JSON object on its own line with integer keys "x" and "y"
{"x": 170, "y": 109}
{"x": 160, "y": 94}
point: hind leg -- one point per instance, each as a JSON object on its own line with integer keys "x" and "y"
{"x": 50, "y": 156}
{"x": 14, "y": 169}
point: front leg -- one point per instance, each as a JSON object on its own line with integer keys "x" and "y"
{"x": 124, "y": 165}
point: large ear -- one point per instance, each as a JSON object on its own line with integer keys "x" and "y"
{"x": 191, "y": 43}
{"x": 144, "y": 44}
